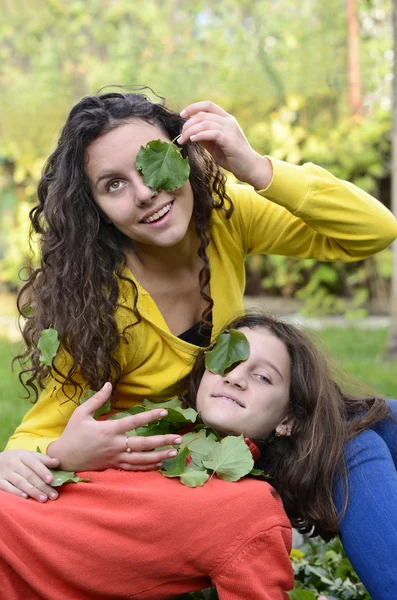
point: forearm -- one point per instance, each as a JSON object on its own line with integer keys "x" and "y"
{"x": 333, "y": 208}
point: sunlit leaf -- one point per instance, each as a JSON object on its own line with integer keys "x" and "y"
{"x": 231, "y": 347}
{"x": 48, "y": 345}
{"x": 162, "y": 166}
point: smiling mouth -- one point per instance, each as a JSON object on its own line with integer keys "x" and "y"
{"x": 159, "y": 214}
{"x": 229, "y": 399}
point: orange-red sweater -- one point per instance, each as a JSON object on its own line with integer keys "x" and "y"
{"x": 141, "y": 535}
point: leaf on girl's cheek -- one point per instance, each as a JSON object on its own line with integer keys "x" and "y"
{"x": 162, "y": 166}
{"x": 48, "y": 345}
{"x": 230, "y": 347}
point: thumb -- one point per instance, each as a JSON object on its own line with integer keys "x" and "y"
{"x": 91, "y": 405}
{"x": 49, "y": 461}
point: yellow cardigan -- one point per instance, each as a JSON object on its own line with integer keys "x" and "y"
{"x": 304, "y": 212}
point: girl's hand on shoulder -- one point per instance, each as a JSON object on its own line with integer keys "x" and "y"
{"x": 25, "y": 473}
{"x": 90, "y": 445}
{"x": 219, "y": 133}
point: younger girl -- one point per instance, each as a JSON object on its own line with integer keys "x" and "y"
{"x": 331, "y": 456}
{"x": 283, "y": 398}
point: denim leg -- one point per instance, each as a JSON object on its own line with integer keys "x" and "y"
{"x": 368, "y": 529}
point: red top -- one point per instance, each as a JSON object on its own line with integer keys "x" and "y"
{"x": 141, "y": 535}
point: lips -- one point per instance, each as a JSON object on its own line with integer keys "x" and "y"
{"x": 228, "y": 396}
{"x": 155, "y": 215}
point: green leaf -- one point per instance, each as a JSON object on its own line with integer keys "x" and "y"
{"x": 102, "y": 410}
{"x": 256, "y": 472}
{"x": 200, "y": 444}
{"x": 231, "y": 459}
{"x": 61, "y": 477}
{"x": 172, "y": 403}
{"x": 173, "y": 467}
{"x": 135, "y": 410}
{"x": 301, "y": 595}
{"x": 194, "y": 478}
{"x": 230, "y": 347}
{"x": 27, "y": 311}
{"x": 162, "y": 166}
{"x": 48, "y": 345}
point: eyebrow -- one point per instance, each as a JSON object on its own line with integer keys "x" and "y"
{"x": 105, "y": 176}
{"x": 273, "y": 366}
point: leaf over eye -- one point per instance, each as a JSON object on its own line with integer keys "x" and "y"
{"x": 231, "y": 347}
{"x": 162, "y": 166}
{"x": 48, "y": 345}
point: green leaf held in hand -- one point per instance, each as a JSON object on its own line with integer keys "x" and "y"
{"x": 48, "y": 345}
{"x": 162, "y": 166}
{"x": 231, "y": 347}
{"x": 231, "y": 459}
{"x": 61, "y": 477}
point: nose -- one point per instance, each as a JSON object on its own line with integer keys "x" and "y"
{"x": 236, "y": 378}
{"x": 143, "y": 193}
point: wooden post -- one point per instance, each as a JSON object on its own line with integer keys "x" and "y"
{"x": 392, "y": 343}
{"x": 353, "y": 57}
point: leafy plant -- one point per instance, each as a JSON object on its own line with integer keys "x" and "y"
{"x": 321, "y": 568}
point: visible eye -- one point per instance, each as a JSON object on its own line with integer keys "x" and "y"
{"x": 262, "y": 377}
{"x": 115, "y": 185}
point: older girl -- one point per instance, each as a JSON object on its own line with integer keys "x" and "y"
{"x": 136, "y": 280}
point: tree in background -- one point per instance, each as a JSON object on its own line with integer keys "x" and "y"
{"x": 279, "y": 66}
{"x": 392, "y": 343}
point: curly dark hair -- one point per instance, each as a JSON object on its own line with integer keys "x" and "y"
{"x": 303, "y": 466}
{"x": 75, "y": 289}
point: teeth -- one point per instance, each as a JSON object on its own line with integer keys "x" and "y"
{"x": 158, "y": 214}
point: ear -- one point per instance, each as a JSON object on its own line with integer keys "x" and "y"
{"x": 284, "y": 428}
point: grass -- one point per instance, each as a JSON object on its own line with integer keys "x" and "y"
{"x": 359, "y": 352}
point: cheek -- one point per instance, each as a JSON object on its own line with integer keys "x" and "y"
{"x": 203, "y": 392}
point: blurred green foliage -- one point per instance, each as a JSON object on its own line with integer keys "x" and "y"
{"x": 285, "y": 80}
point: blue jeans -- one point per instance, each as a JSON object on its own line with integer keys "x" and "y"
{"x": 368, "y": 529}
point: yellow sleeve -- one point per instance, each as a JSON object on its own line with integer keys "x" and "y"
{"x": 308, "y": 213}
{"x": 46, "y": 420}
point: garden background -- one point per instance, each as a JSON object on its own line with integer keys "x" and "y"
{"x": 308, "y": 81}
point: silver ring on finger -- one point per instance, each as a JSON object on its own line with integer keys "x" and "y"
{"x": 127, "y": 448}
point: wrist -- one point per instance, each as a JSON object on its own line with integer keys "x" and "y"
{"x": 261, "y": 173}
{"x": 55, "y": 450}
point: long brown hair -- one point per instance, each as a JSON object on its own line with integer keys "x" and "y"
{"x": 75, "y": 289}
{"x": 303, "y": 467}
